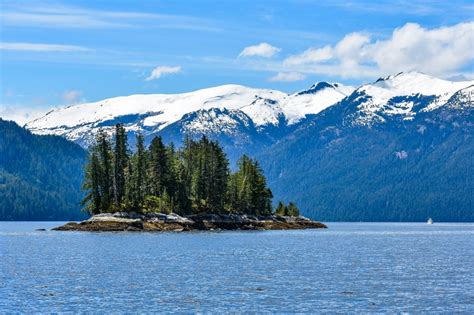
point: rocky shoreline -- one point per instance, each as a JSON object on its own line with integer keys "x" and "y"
{"x": 155, "y": 222}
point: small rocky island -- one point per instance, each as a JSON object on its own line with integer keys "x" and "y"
{"x": 161, "y": 188}
{"x": 121, "y": 221}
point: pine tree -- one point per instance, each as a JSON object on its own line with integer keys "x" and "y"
{"x": 292, "y": 210}
{"x": 218, "y": 178}
{"x": 208, "y": 167}
{"x": 105, "y": 174}
{"x": 139, "y": 178}
{"x": 129, "y": 184}
{"x": 182, "y": 193}
{"x": 240, "y": 183}
{"x": 158, "y": 169}
{"x": 120, "y": 164}
{"x": 93, "y": 199}
{"x": 162, "y": 204}
{"x": 249, "y": 192}
{"x": 261, "y": 194}
{"x": 187, "y": 165}
{"x": 170, "y": 174}
{"x": 281, "y": 209}
{"x": 194, "y": 179}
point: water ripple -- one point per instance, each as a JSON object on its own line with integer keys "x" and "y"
{"x": 349, "y": 268}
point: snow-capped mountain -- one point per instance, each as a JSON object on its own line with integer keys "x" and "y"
{"x": 400, "y": 97}
{"x": 398, "y": 149}
{"x": 222, "y": 109}
{"x": 248, "y": 120}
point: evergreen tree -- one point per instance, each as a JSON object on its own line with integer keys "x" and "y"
{"x": 171, "y": 171}
{"x": 261, "y": 195}
{"x": 120, "y": 164}
{"x": 218, "y": 178}
{"x": 105, "y": 170}
{"x": 249, "y": 193}
{"x": 281, "y": 209}
{"x": 158, "y": 169}
{"x": 209, "y": 169}
{"x": 162, "y": 204}
{"x": 93, "y": 198}
{"x": 129, "y": 184}
{"x": 186, "y": 167}
{"x": 292, "y": 210}
{"x": 139, "y": 178}
{"x": 194, "y": 179}
{"x": 181, "y": 195}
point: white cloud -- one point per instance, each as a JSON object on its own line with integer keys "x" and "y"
{"x": 158, "y": 72}
{"x": 261, "y": 50}
{"x": 287, "y": 77}
{"x": 41, "y": 47}
{"x": 438, "y": 51}
{"x": 71, "y": 96}
{"x": 47, "y": 15}
{"x": 310, "y": 55}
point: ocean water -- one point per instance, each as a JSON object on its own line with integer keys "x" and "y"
{"x": 348, "y": 268}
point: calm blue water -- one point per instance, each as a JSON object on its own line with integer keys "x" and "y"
{"x": 351, "y": 267}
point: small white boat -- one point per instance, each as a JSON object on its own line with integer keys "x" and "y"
{"x": 430, "y": 221}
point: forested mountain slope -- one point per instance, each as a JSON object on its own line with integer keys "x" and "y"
{"x": 382, "y": 156}
{"x": 40, "y": 176}
{"x": 397, "y": 149}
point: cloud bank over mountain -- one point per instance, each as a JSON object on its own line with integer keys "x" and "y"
{"x": 437, "y": 51}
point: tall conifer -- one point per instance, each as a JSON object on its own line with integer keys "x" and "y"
{"x": 158, "y": 171}
{"x": 105, "y": 175}
{"x": 120, "y": 163}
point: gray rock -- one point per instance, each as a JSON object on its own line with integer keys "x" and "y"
{"x": 252, "y": 217}
{"x": 301, "y": 218}
{"x": 232, "y": 218}
{"x": 156, "y": 217}
{"x": 173, "y": 217}
{"x": 207, "y": 217}
{"x": 103, "y": 215}
{"x": 134, "y": 215}
{"x": 279, "y": 218}
{"x": 110, "y": 218}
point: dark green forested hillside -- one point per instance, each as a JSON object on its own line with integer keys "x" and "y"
{"x": 40, "y": 176}
{"x": 406, "y": 171}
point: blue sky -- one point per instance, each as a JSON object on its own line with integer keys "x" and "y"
{"x": 54, "y": 53}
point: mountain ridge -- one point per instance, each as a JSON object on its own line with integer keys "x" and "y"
{"x": 402, "y": 95}
{"x": 154, "y": 112}
{"x": 397, "y": 149}
{"x": 405, "y": 166}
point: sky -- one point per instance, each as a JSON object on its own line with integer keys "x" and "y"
{"x": 58, "y": 53}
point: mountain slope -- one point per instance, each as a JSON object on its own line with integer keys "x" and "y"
{"x": 399, "y": 97}
{"x": 384, "y": 153}
{"x": 194, "y": 112}
{"x": 40, "y": 176}
{"x": 398, "y": 149}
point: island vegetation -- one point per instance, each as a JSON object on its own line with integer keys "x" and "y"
{"x": 161, "y": 188}
{"x": 193, "y": 179}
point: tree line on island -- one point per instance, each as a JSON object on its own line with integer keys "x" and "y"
{"x": 193, "y": 179}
